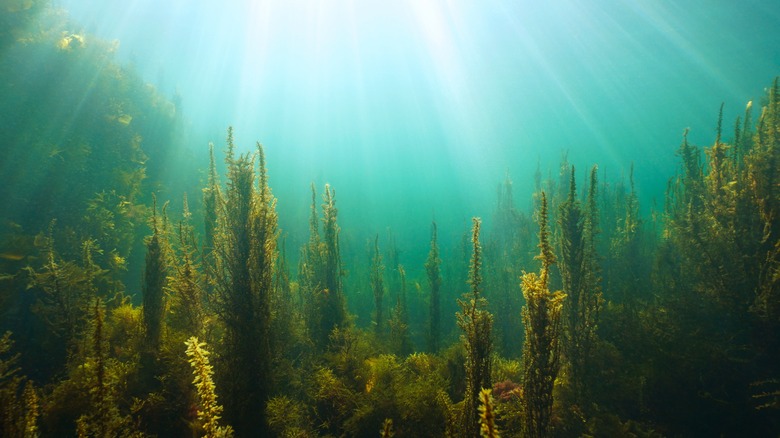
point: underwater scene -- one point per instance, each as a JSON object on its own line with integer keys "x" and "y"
{"x": 438, "y": 218}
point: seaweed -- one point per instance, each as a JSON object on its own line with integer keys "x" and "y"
{"x": 209, "y": 411}
{"x": 18, "y": 411}
{"x": 152, "y": 290}
{"x": 245, "y": 259}
{"x": 185, "y": 282}
{"x": 542, "y": 316}
{"x": 400, "y": 344}
{"x": 487, "y": 425}
{"x": 476, "y": 323}
{"x": 378, "y": 288}
{"x": 103, "y": 417}
{"x": 581, "y": 284}
{"x": 508, "y": 250}
{"x": 433, "y": 275}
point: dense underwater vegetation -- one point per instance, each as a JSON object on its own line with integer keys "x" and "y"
{"x": 584, "y": 313}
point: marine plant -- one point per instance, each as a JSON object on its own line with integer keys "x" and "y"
{"x": 387, "y": 429}
{"x": 507, "y": 252}
{"x": 433, "y": 274}
{"x": 763, "y": 162}
{"x": 629, "y": 274}
{"x": 541, "y": 352}
{"x": 487, "y": 416}
{"x": 571, "y": 223}
{"x": 32, "y": 409}
{"x": 476, "y": 323}
{"x": 334, "y": 311}
{"x": 63, "y": 293}
{"x": 103, "y": 417}
{"x": 321, "y": 272}
{"x": 717, "y": 262}
{"x": 418, "y": 392}
{"x": 95, "y": 146}
{"x": 290, "y": 344}
{"x": 19, "y": 402}
{"x": 212, "y": 199}
{"x": 590, "y": 303}
{"x": 400, "y": 343}
{"x": 333, "y": 400}
{"x": 152, "y": 291}
{"x": 579, "y": 270}
{"x": 185, "y": 282}
{"x": 378, "y": 288}
{"x": 310, "y": 275}
{"x": 209, "y": 409}
{"x": 245, "y": 260}
{"x": 288, "y": 418}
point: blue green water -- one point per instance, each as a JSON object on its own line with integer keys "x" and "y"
{"x": 413, "y": 109}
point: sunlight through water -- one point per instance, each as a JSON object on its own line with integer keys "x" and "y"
{"x": 431, "y": 103}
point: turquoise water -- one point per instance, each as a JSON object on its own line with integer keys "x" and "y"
{"x": 414, "y": 109}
